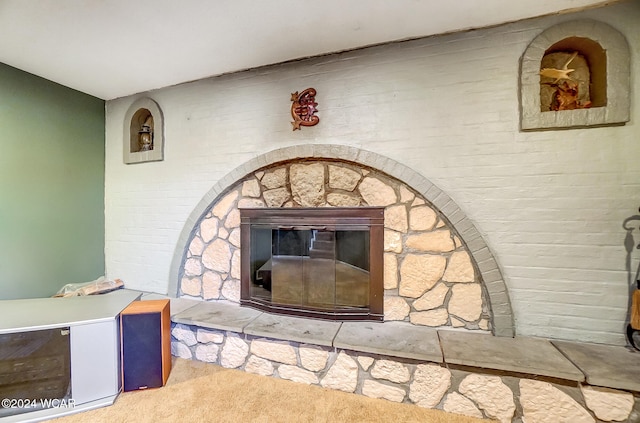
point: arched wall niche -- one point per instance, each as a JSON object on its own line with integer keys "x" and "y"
{"x": 600, "y": 78}
{"x": 496, "y": 302}
{"x": 143, "y": 132}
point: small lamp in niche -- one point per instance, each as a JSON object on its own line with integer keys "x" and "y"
{"x": 145, "y": 135}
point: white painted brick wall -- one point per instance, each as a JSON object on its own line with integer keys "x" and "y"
{"x": 549, "y": 204}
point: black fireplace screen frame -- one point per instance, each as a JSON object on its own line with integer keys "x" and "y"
{"x": 326, "y": 219}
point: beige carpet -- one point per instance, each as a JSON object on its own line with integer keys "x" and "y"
{"x": 201, "y": 392}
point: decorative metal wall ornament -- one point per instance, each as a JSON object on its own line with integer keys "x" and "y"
{"x": 303, "y": 108}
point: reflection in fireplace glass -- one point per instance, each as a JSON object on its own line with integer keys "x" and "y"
{"x": 309, "y": 267}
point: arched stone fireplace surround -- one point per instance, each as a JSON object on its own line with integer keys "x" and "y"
{"x": 414, "y": 193}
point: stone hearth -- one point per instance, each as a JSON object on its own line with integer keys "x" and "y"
{"x": 465, "y": 372}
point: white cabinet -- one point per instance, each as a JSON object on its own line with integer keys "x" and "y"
{"x": 94, "y": 341}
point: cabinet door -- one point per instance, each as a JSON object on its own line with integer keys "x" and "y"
{"x": 94, "y": 361}
{"x": 34, "y": 366}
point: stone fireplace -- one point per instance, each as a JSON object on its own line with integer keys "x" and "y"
{"x": 437, "y": 273}
{"x": 436, "y": 269}
{"x": 324, "y": 262}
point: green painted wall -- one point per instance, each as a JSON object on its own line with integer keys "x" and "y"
{"x": 51, "y": 185}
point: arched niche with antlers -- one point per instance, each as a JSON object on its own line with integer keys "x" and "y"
{"x": 570, "y": 74}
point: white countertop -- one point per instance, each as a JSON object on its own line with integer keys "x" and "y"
{"x": 46, "y": 313}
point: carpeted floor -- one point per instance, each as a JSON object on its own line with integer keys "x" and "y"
{"x": 201, "y": 392}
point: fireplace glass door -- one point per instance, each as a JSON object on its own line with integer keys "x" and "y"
{"x": 318, "y": 267}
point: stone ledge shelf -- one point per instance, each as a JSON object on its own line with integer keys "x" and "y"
{"x": 532, "y": 356}
{"x": 601, "y": 365}
{"x": 507, "y": 379}
{"x": 605, "y": 365}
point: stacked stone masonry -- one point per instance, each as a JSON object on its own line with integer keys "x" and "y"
{"x": 430, "y": 278}
{"x": 502, "y": 397}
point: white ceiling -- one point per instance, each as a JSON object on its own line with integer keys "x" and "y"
{"x": 114, "y": 48}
